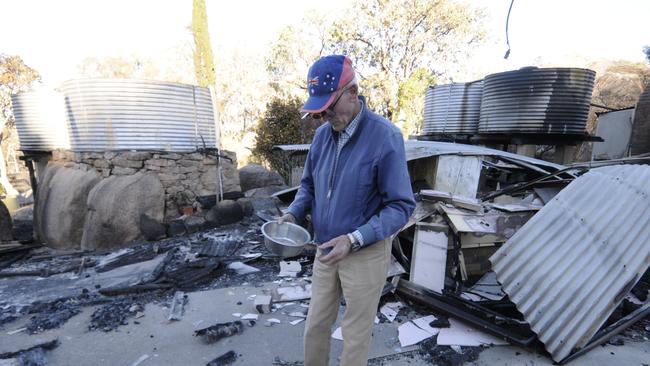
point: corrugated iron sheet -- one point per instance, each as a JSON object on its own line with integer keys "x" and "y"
{"x": 416, "y": 149}
{"x": 130, "y": 114}
{"x": 569, "y": 267}
{"x": 297, "y": 147}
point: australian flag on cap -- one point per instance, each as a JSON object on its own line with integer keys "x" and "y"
{"x": 326, "y": 76}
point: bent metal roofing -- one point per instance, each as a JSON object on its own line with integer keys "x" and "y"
{"x": 571, "y": 265}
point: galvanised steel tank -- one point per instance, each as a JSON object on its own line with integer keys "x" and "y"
{"x": 40, "y": 120}
{"x": 535, "y": 100}
{"x": 452, "y": 108}
{"x": 129, "y": 114}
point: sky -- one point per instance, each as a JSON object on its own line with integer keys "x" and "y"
{"x": 55, "y": 36}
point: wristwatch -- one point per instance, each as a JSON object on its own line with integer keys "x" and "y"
{"x": 355, "y": 245}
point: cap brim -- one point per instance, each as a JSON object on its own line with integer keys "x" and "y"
{"x": 317, "y": 104}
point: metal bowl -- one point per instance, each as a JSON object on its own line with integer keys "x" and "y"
{"x": 286, "y": 239}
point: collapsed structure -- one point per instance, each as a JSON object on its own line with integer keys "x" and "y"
{"x": 530, "y": 251}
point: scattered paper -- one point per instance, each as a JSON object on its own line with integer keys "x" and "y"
{"x": 297, "y": 314}
{"x": 410, "y": 334}
{"x": 376, "y": 319}
{"x": 338, "y": 334}
{"x": 390, "y": 310}
{"x": 423, "y": 323}
{"x": 274, "y": 320}
{"x": 297, "y": 321}
{"x": 395, "y": 268}
{"x": 292, "y": 293}
{"x": 249, "y": 317}
{"x": 289, "y": 269}
{"x": 241, "y": 268}
{"x": 236, "y": 315}
{"x": 459, "y": 334}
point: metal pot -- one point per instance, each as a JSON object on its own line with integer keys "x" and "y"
{"x": 286, "y": 239}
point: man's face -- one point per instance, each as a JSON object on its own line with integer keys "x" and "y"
{"x": 341, "y": 112}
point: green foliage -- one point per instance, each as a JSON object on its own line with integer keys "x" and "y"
{"x": 15, "y": 77}
{"x": 646, "y": 50}
{"x": 203, "y": 60}
{"x": 281, "y": 125}
{"x": 389, "y": 40}
{"x": 410, "y": 100}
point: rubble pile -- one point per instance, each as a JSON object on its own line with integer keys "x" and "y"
{"x": 488, "y": 234}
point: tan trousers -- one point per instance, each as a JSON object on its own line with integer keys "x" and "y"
{"x": 360, "y": 277}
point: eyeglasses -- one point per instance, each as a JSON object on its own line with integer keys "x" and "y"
{"x": 330, "y": 109}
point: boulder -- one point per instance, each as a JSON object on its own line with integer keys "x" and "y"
{"x": 44, "y": 178}
{"x": 224, "y": 213}
{"x": 152, "y": 229}
{"x": 256, "y": 176}
{"x": 5, "y": 224}
{"x": 23, "y": 229}
{"x": 246, "y": 205}
{"x": 61, "y": 205}
{"x": 263, "y": 192}
{"x": 194, "y": 223}
{"x": 115, "y": 206}
{"x": 176, "y": 227}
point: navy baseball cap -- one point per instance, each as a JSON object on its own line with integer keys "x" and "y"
{"x": 326, "y": 76}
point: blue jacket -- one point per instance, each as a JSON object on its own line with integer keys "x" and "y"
{"x": 371, "y": 190}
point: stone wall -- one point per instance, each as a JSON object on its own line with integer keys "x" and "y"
{"x": 184, "y": 176}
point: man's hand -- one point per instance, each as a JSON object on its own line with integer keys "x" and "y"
{"x": 288, "y": 217}
{"x": 340, "y": 249}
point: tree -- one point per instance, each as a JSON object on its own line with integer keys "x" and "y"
{"x": 410, "y": 100}
{"x": 203, "y": 61}
{"x": 282, "y": 124}
{"x": 15, "y": 77}
{"x": 290, "y": 56}
{"x": 646, "y": 50}
{"x": 133, "y": 67}
{"x": 389, "y": 40}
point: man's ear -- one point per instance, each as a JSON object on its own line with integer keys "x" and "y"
{"x": 354, "y": 91}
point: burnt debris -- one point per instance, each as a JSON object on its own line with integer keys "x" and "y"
{"x": 216, "y": 332}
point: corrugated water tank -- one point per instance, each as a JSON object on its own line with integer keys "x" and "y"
{"x": 535, "y": 100}
{"x": 129, "y": 114}
{"x": 40, "y": 120}
{"x": 453, "y": 108}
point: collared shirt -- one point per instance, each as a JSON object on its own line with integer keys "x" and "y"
{"x": 344, "y": 137}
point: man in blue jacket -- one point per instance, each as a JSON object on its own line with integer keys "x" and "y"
{"x": 357, "y": 188}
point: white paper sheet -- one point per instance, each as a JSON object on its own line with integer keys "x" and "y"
{"x": 338, "y": 334}
{"x": 423, "y": 323}
{"x": 410, "y": 334}
{"x": 390, "y": 310}
{"x": 459, "y": 334}
{"x": 289, "y": 269}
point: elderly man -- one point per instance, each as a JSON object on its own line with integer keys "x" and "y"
{"x": 357, "y": 188}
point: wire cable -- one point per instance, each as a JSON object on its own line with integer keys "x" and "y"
{"x": 507, "y": 38}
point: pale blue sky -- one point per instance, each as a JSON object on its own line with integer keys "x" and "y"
{"x": 55, "y": 36}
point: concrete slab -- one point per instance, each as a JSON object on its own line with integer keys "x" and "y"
{"x": 172, "y": 343}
